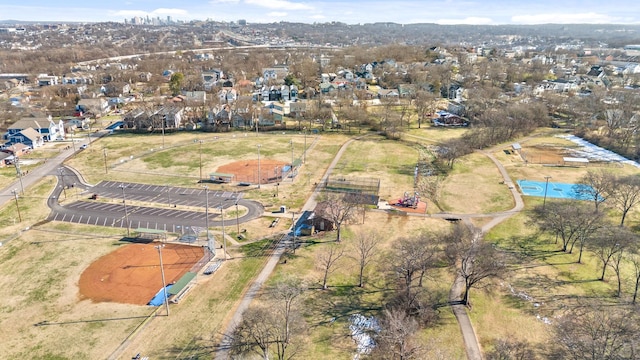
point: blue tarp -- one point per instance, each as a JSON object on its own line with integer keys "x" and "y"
{"x": 115, "y": 125}
{"x": 158, "y": 300}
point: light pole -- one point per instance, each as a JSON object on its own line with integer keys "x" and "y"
{"x": 104, "y": 155}
{"x": 291, "y": 142}
{"x": 200, "y": 161}
{"x": 73, "y": 143}
{"x": 206, "y": 219}
{"x": 168, "y": 194}
{"x": 546, "y": 185}
{"x": 224, "y": 238}
{"x": 15, "y": 196}
{"x": 163, "y": 133}
{"x": 304, "y": 157}
{"x": 293, "y": 226}
{"x": 164, "y": 284}
{"x": 259, "y": 165}
{"x": 237, "y": 218}
{"x": 64, "y": 186}
{"x": 124, "y": 204}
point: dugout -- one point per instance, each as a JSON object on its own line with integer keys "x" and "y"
{"x": 221, "y": 177}
{"x": 151, "y": 234}
{"x": 181, "y": 287}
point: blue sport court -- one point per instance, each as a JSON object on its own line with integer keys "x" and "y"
{"x": 554, "y": 190}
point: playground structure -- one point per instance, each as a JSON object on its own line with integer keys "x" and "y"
{"x": 409, "y": 201}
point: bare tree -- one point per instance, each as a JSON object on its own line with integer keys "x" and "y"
{"x": 597, "y": 332}
{"x": 634, "y": 258}
{"x": 510, "y": 349}
{"x": 286, "y": 294}
{"x": 397, "y": 337}
{"x": 336, "y": 208}
{"x": 255, "y": 333}
{"x": 364, "y": 250}
{"x": 276, "y": 323}
{"x": 595, "y": 185}
{"x": 327, "y": 259}
{"x": 568, "y": 220}
{"x": 625, "y": 194}
{"x": 610, "y": 243}
{"x": 474, "y": 259}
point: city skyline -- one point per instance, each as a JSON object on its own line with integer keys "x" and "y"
{"x": 445, "y": 12}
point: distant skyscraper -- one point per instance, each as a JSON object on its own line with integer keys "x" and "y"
{"x": 242, "y": 22}
{"x": 168, "y": 19}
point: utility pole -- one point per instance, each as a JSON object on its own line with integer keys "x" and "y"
{"x": 15, "y": 196}
{"x": 224, "y": 238}
{"x": 237, "y": 218}
{"x": 164, "y": 284}
{"x": 259, "y": 181}
{"x": 210, "y": 244}
{"x": 293, "y": 226}
{"x": 126, "y": 214}
{"x": 104, "y": 155}
{"x": 304, "y": 159}
{"x": 291, "y": 142}
{"x": 19, "y": 172}
{"x": 200, "y": 160}
{"x": 73, "y": 143}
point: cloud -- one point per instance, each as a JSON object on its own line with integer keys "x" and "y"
{"x": 224, "y": 1}
{"x": 563, "y": 18}
{"x": 277, "y": 14}
{"x": 318, "y": 16}
{"x": 472, "y": 20}
{"x": 280, "y": 4}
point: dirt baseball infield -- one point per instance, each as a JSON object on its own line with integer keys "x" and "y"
{"x": 247, "y": 170}
{"x": 131, "y": 274}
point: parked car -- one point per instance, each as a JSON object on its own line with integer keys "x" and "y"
{"x": 84, "y": 147}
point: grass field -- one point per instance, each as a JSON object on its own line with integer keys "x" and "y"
{"x": 41, "y": 266}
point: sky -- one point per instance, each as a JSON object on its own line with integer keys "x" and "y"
{"x": 480, "y": 12}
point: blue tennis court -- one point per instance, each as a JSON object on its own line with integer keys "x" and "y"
{"x": 554, "y": 190}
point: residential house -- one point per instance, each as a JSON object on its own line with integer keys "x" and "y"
{"x": 28, "y": 137}
{"x": 165, "y": 117}
{"x": 97, "y": 106}
{"x": 5, "y": 159}
{"x": 388, "y": 93}
{"x": 47, "y": 80}
{"x": 44, "y": 126}
{"x": 195, "y": 96}
{"x": 285, "y": 92}
{"x": 278, "y": 72}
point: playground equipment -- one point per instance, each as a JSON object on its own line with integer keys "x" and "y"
{"x": 410, "y": 201}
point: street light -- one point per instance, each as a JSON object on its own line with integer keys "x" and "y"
{"x": 206, "y": 212}
{"x": 224, "y": 238}
{"x": 291, "y": 142}
{"x": 15, "y": 196}
{"x": 124, "y": 204}
{"x": 168, "y": 194}
{"x": 237, "y": 218}
{"x": 546, "y": 185}
{"x": 201, "y": 160}
{"x": 259, "y": 146}
{"x": 164, "y": 284}
{"x": 64, "y": 186}
{"x": 304, "y": 159}
{"x": 104, "y": 155}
